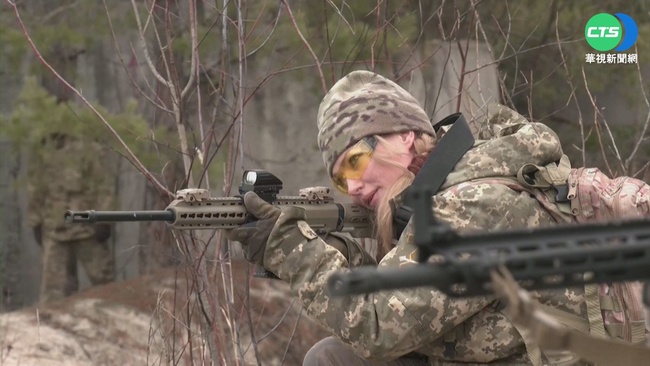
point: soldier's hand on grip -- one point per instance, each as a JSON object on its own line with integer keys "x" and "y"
{"x": 254, "y": 235}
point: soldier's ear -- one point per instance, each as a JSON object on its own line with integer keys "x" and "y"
{"x": 407, "y": 139}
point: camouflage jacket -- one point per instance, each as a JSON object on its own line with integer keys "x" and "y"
{"x": 67, "y": 174}
{"x": 477, "y": 195}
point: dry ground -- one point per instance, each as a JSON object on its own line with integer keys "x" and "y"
{"x": 130, "y": 323}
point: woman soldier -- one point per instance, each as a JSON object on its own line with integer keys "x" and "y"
{"x": 374, "y": 138}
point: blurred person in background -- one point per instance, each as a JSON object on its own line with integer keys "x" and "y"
{"x": 68, "y": 172}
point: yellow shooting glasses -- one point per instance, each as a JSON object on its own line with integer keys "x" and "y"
{"x": 354, "y": 163}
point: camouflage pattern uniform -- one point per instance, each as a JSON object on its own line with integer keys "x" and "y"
{"x": 389, "y": 324}
{"x": 70, "y": 174}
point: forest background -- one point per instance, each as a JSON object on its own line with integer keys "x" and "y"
{"x": 191, "y": 93}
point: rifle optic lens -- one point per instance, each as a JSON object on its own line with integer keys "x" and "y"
{"x": 250, "y": 178}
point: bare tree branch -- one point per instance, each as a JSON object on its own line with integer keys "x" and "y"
{"x": 311, "y": 51}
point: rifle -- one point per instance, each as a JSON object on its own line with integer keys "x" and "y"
{"x": 194, "y": 209}
{"x": 539, "y": 258}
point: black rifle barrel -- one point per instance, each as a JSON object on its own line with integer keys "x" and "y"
{"x": 92, "y": 216}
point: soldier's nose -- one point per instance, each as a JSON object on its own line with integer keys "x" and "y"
{"x": 354, "y": 187}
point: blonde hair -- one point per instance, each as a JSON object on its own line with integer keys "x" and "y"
{"x": 422, "y": 146}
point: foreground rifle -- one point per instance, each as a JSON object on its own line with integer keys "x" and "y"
{"x": 194, "y": 209}
{"x": 540, "y": 258}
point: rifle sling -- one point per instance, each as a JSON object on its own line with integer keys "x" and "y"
{"x": 450, "y": 149}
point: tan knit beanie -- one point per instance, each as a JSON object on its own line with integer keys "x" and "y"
{"x": 362, "y": 104}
